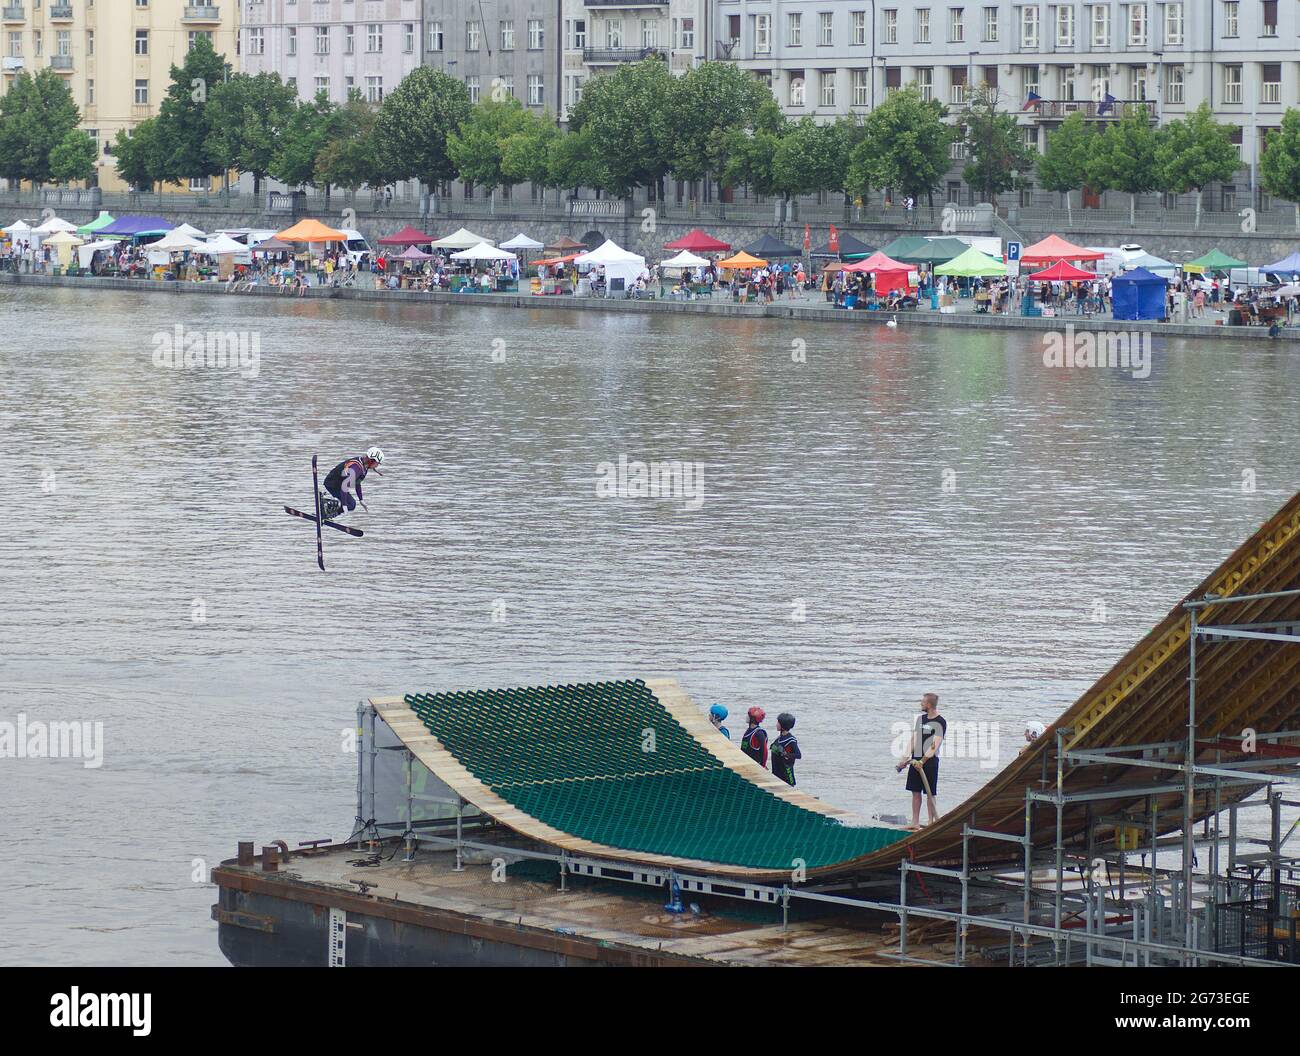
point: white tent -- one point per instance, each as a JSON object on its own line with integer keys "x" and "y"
{"x": 53, "y": 226}
{"x": 622, "y": 268}
{"x": 483, "y": 252}
{"x": 684, "y": 259}
{"x": 86, "y": 253}
{"x": 463, "y": 239}
{"x": 18, "y": 229}
{"x": 521, "y": 241}
{"x": 221, "y": 245}
{"x": 63, "y": 241}
{"x": 175, "y": 242}
{"x": 193, "y": 232}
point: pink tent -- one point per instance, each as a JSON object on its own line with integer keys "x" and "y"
{"x": 878, "y": 262}
{"x": 1054, "y": 247}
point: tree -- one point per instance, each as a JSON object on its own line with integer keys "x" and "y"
{"x": 36, "y": 114}
{"x": 1279, "y": 167}
{"x": 308, "y": 129}
{"x": 1064, "y": 164}
{"x": 248, "y": 115}
{"x": 708, "y": 102}
{"x": 809, "y": 158}
{"x": 477, "y": 147}
{"x": 414, "y": 122}
{"x": 748, "y": 155}
{"x": 185, "y": 139}
{"x": 905, "y": 145}
{"x": 1124, "y": 158}
{"x": 1194, "y": 152}
{"x": 572, "y": 161}
{"x": 526, "y": 152}
{"x": 73, "y": 157}
{"x": 136, "y": 154}
{"x": 629, "y": 116}
{"x": 999, "y": 159}
{"x": 347, "y": 157}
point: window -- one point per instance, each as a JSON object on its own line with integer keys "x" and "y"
{"x": 322, "y": 84}
{"x": 957, "y": 85}
{"x": 507, "y": 85}
{"x": 861, "y": 87}
{"x": 322, "y": 40}
{"x": 1029, "y": 27}
{"x": 1030, "y": 75}
{"x": 827, "y": 82}
{"x": 826, "y": 29}
{"x": 577, "y": 34}
{"x": 63, "y": 42}
{"x": 858, "y": 20}
{"x": 1137, "y": 25}
{"x": 1100, "y": 26}
{"x": 956, "y": 29}
{"x": 436, "y": 42}
{"x": 794, "y": 30}
{"x": 891, "y": 26}
{"x": 471, "y": 36}
{"x": 925, "y": 82}
{"x": 141, "y": 42}
{"x": 796, "y": 91}
{"x": 471, "y": 86}
{"x": 1065, "y": 27}
{"x": 535, "y": 34}
{"x": 1174, "y": 23}
{"x": 991, "y": 24}
{"x": 534, "y": 89}
{"x": 923, "y": 25}
{"x": 90, "y": 91}
{"x": 893, "y": 80}
{"x": 256, "y": 42}
{"x": 1270, "y": 19}
{"x": 1231, "y": 10}
{"x": 572, "y": 90}
{"x": 649, "y": 33}
{"x": 408, "y": 38}
{"x": 1174, "y": 84}
{"x": 762, "y": 34}
{"x": 614, "y": 34}
{"x": 374, "y": 39}
{"x": 1137, "y": 83}
{"x": 293, "y": 41}
{"x": 38, "y": 43}
{"x": 374, "y": 89}
{"x": 687, "y": 39}
{"x": 349, "y": 40}
{"x": 196, "y": 35}
{"x": 507, "y": 36}
{"x": 1271, "y": 82}
{"x": 141, "y": 93}
{"x": 1232, "y": 84}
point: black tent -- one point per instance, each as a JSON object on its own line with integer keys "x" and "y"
{"x": 768, "y": 247}
{"x": 850, "y": 248}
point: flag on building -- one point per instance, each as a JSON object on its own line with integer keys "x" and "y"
{"x": 835, "y": 241}
{"x": 807, "y": 238}
{"x": 1106, "y": 104}
{"x": 1033, "y": 100}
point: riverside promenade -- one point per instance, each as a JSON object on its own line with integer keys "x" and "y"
{"x": 809, "y": 306}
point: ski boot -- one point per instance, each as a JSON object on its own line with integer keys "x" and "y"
{"x": 330, "y": 507}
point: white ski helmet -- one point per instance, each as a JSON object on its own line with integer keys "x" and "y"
{"x": 376, "y": 455}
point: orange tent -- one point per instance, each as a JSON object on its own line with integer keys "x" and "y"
{"x": 1054, "y": 247}
{"x": 310, "y": 231}
{"x": 549, "y": 261}
{"x": 742, "y": 260}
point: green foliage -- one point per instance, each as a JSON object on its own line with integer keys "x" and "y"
{"x": 185, "y": 134}
{"x": 348, "y": 157}
{"x": 1123, "y": 157}
{"x": 309, "y": 128}
{"x": 415, "y": 122}
{"x": 1064, "y": 163}
{"x": 477, "y": 147}
{"x": 526, "y": 151}
{"x": 905, "y": 145}
{"x": 629, "y": 118}
{"x": 1279, "y": 168}
{"x": 572, "y": 162}
{"x": 36, "y": 115}
{"x": 707, "y": 103}
{"x": 809, "y": 158}
{"x": 1194, "y": 152}
{"x": 999, "y": 159}
{"x": 749, "y": 155}
{"x": 247, "y": 117}
{"x": 136, "y": 154}
{"x": 73, "y": 157}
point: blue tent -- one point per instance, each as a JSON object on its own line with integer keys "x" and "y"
{"x": 1138, "y": 294}
{"x": 1289, "y": 266}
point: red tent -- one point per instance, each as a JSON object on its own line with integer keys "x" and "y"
{"x": 1054, "y": 247}
{"x": 1062, "y": 272}
{"x": 878, "y": 262}
{"x": 408, "y": 236}
{"x": 698, "y": 242}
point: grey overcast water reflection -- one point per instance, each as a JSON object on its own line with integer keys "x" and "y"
{"x": 1084, "y": 503}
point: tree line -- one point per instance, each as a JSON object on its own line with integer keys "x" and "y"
{"x": 634, "y": 128}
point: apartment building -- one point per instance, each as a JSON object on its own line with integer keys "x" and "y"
{"x": 1045, "y": 60}
{"x": 115, "y": 54}
{"x": 333, "y": 46}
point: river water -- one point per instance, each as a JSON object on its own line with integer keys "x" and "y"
{"x": 901, "y": 511}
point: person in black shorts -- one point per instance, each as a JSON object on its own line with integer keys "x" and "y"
{"x": 785, "y": 749}
{"x": 927, "y": 736}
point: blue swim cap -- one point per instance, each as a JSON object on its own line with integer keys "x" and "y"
{"x": 718, "y": 711}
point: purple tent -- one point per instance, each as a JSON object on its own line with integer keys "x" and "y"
{"x": 1288, "y": 266}
{"x": 412, "y": 253}
{"x": 136, "y": 227}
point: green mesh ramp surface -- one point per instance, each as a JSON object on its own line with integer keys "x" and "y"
{"x": 575, "y": 758}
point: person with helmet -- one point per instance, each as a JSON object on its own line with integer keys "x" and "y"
{"x": 754, "y": 740}
{"x": 343, "y": 483}
{"x": 1033, "y": 730}
{"x": 718, "y": 715}
{"x": 785, "y": 749}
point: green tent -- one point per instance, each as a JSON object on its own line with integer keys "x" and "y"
{"x": 1215, "y": 260}
{"x": 972, "y": 264}
{"x": 897, "y": 249}
{"x": 102, "y": 220}
{"x": 934, "y": 251}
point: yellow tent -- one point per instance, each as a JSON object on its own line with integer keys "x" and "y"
{"x": 742, "y": 260}
{"x": 310, "y": 231}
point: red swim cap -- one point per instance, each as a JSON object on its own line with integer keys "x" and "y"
{"x": 757, "y": 714}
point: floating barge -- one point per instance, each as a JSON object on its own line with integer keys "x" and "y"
{"x": 609, "y": 823}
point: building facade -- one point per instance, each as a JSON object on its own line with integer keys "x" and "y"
{"x": 116, "y": 55}
{"x": 333, "y": 46}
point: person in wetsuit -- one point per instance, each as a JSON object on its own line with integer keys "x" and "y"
{"x": 785, "y": 749}
{"x": 343, "y": 483}
{"x": 754, "y": 740}
{"x": 717, "y": 716}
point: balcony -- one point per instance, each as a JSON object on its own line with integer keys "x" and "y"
{"x": 61, "y": 13}
{"x": 609, "y": 56}
{"x": 625, "y": 3}
{"x": 201, "y": 13}
{"x": 14, "y": 13}
{"x": 62, "y": 63}
{"x": 1060, "y": 109}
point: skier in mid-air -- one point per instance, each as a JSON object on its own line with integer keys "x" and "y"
{"x": 343, "y": 483}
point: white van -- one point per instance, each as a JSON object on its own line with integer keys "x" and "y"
{"x": 356, "y": 246}
{"x": 249, "y": 236}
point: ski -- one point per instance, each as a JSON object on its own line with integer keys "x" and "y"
{"x": 357, "y": 532}
{"x": 315, "y": 492}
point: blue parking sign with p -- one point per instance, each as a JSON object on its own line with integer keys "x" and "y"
{"x": 1013, "y": 251}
